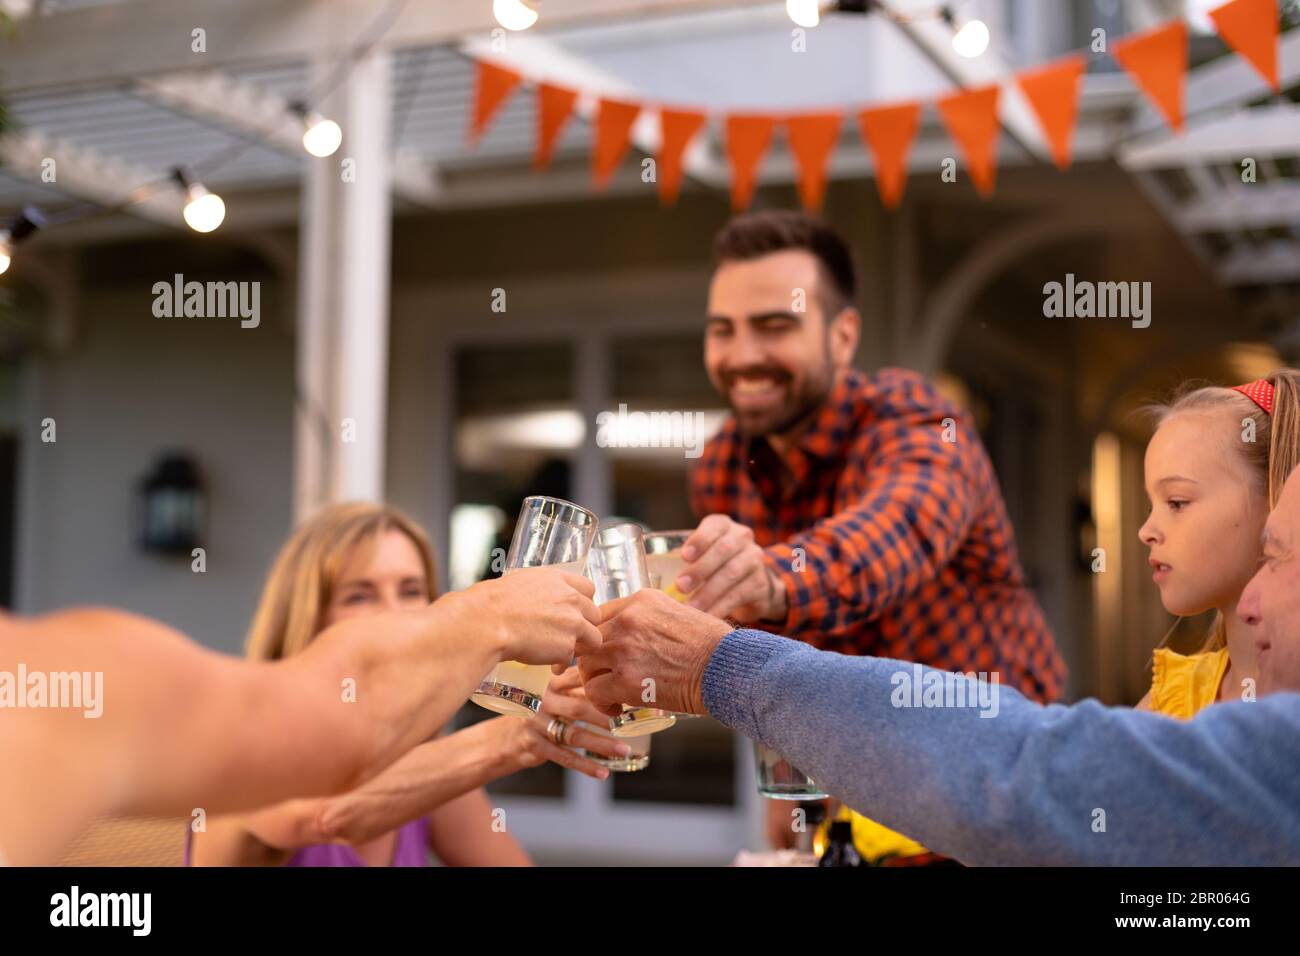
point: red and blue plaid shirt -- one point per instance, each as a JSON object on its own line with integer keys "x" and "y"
{"x": 891, "y": 536}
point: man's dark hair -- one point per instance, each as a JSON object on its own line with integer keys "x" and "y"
{"x": 758, "y": 234}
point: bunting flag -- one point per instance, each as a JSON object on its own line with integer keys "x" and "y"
{"x": 1157, "y": 62}
{"x": 554, "y": 107}
{"x": 614, "y": 121}
{"x": 1053, "y": 93}
{"x": 747, "y": 140}
{"x": 971, "y": 118}
{"x": 889, "y": 131}
{"x": 1250, "y": 28}
{"x": 493, "y": 86}
{"x": 678, "y": 128}
{"x": 812, "y": 137}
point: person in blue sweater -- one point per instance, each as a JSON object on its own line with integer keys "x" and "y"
{"x": 974, "y": 770}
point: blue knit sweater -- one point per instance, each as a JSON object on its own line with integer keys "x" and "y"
{"x": 1025, "y": 784}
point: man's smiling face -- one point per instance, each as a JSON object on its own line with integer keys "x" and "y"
{"x": 770, "y": 348}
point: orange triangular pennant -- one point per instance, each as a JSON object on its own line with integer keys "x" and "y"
{"x": 812, "y": 137}
{"x": 971, "y": 117}
{"x": 554, "y": 106}
{"x": 1250, "y": 28}
{"x": 493, "y": 85}
{"x": 677, "y": 129}
{"x": 1157, "y": 61}
{"x": 614, "y": 121}
{"x": 889, "y": 130}
{"x": 747, "y": 140}
{"x": 1053, "y": 93}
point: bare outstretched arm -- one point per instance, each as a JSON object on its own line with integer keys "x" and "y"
{"x": 182, "y": 727}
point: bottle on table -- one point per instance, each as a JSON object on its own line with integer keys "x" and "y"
{"x": 840, "y": 851}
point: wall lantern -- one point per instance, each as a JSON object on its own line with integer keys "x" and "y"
{"x": 173, "y": 507}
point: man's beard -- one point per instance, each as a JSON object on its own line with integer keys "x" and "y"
{"x": 805, "y": 403}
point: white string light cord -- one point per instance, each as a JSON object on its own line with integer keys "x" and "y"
{"x": 205, "y": 210}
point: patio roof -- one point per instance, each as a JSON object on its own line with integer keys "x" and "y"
{"x": 113, "y": 123}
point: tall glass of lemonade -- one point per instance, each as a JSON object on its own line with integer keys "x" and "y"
{"x": 551, "y": 533}
{"x": 617, "y": 566}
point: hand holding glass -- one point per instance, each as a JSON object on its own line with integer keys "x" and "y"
{"x": 617, "y": 566}
{"x": 550, "y": 533}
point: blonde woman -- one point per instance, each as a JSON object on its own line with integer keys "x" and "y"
{"x": 351, "y": 561}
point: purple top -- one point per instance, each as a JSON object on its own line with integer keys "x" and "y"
{"x": 412, "y": 849}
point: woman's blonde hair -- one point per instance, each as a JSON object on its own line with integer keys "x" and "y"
{"x": 1271, "y": 455}
{"x": 302, "y": 580}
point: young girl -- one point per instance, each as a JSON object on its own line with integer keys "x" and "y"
{"x": 1214, "y": 469}
{"x": 354, "y": 560}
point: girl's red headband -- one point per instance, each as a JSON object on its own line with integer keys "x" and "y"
{"x": 1260, "y": 392}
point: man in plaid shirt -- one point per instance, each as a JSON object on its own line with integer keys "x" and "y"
{"x": 855, "y": 513}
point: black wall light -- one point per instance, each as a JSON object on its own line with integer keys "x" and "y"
{"x": 173, "y": 506}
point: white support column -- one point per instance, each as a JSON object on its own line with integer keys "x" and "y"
{"x": 592, "y": 488}
{"x": 344, "y": 297}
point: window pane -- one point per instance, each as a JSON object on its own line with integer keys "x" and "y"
{"x": 692, "y": 762}
{"x": 516, "y": 430}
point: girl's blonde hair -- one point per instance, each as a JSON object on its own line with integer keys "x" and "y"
{"x": 302, "y": 580}
{"x": 1271, "y": 456}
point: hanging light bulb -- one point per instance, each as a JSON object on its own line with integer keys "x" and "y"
{"x": 972, "y": 39}
{"x": 204, "y": 210}
{"x": 320, "y": 136}
{"x": 805, "y": 13}
{"x": 514, "y": 14}
{"x": 28, "y": 221}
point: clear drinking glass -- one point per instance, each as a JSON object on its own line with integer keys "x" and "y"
{"x": 663, "y": 558}
{"x": 551, "y": 533}
{"x": 638, "y": 759}
{"x": 617, "y": 566}
{"x": 782, "y": 780}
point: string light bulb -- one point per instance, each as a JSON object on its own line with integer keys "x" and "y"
{"x": 804, "y": 13}
{"x": 970, "y": 39}
{"x": 320, "y": 136}
{"x": 808, "y": 13}
{"x": 514, "y": 14}
{"x": 204, "y": 210}
{"x": 26, "y": 223}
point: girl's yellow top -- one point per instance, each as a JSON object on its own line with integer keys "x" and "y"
{"x": 1182, "y": 684}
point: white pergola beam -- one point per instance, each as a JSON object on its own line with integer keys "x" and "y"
{"x": 1274, "y": 262}
{"x": 87, "y": 174}
{"x": 266, "y": 116}
{"x": 1255, "y": 206}
{"x": 1264, "y": 132}
{"x": 121, "y": 42}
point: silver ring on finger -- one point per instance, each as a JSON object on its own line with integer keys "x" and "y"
{"x": 555, "y": 731}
